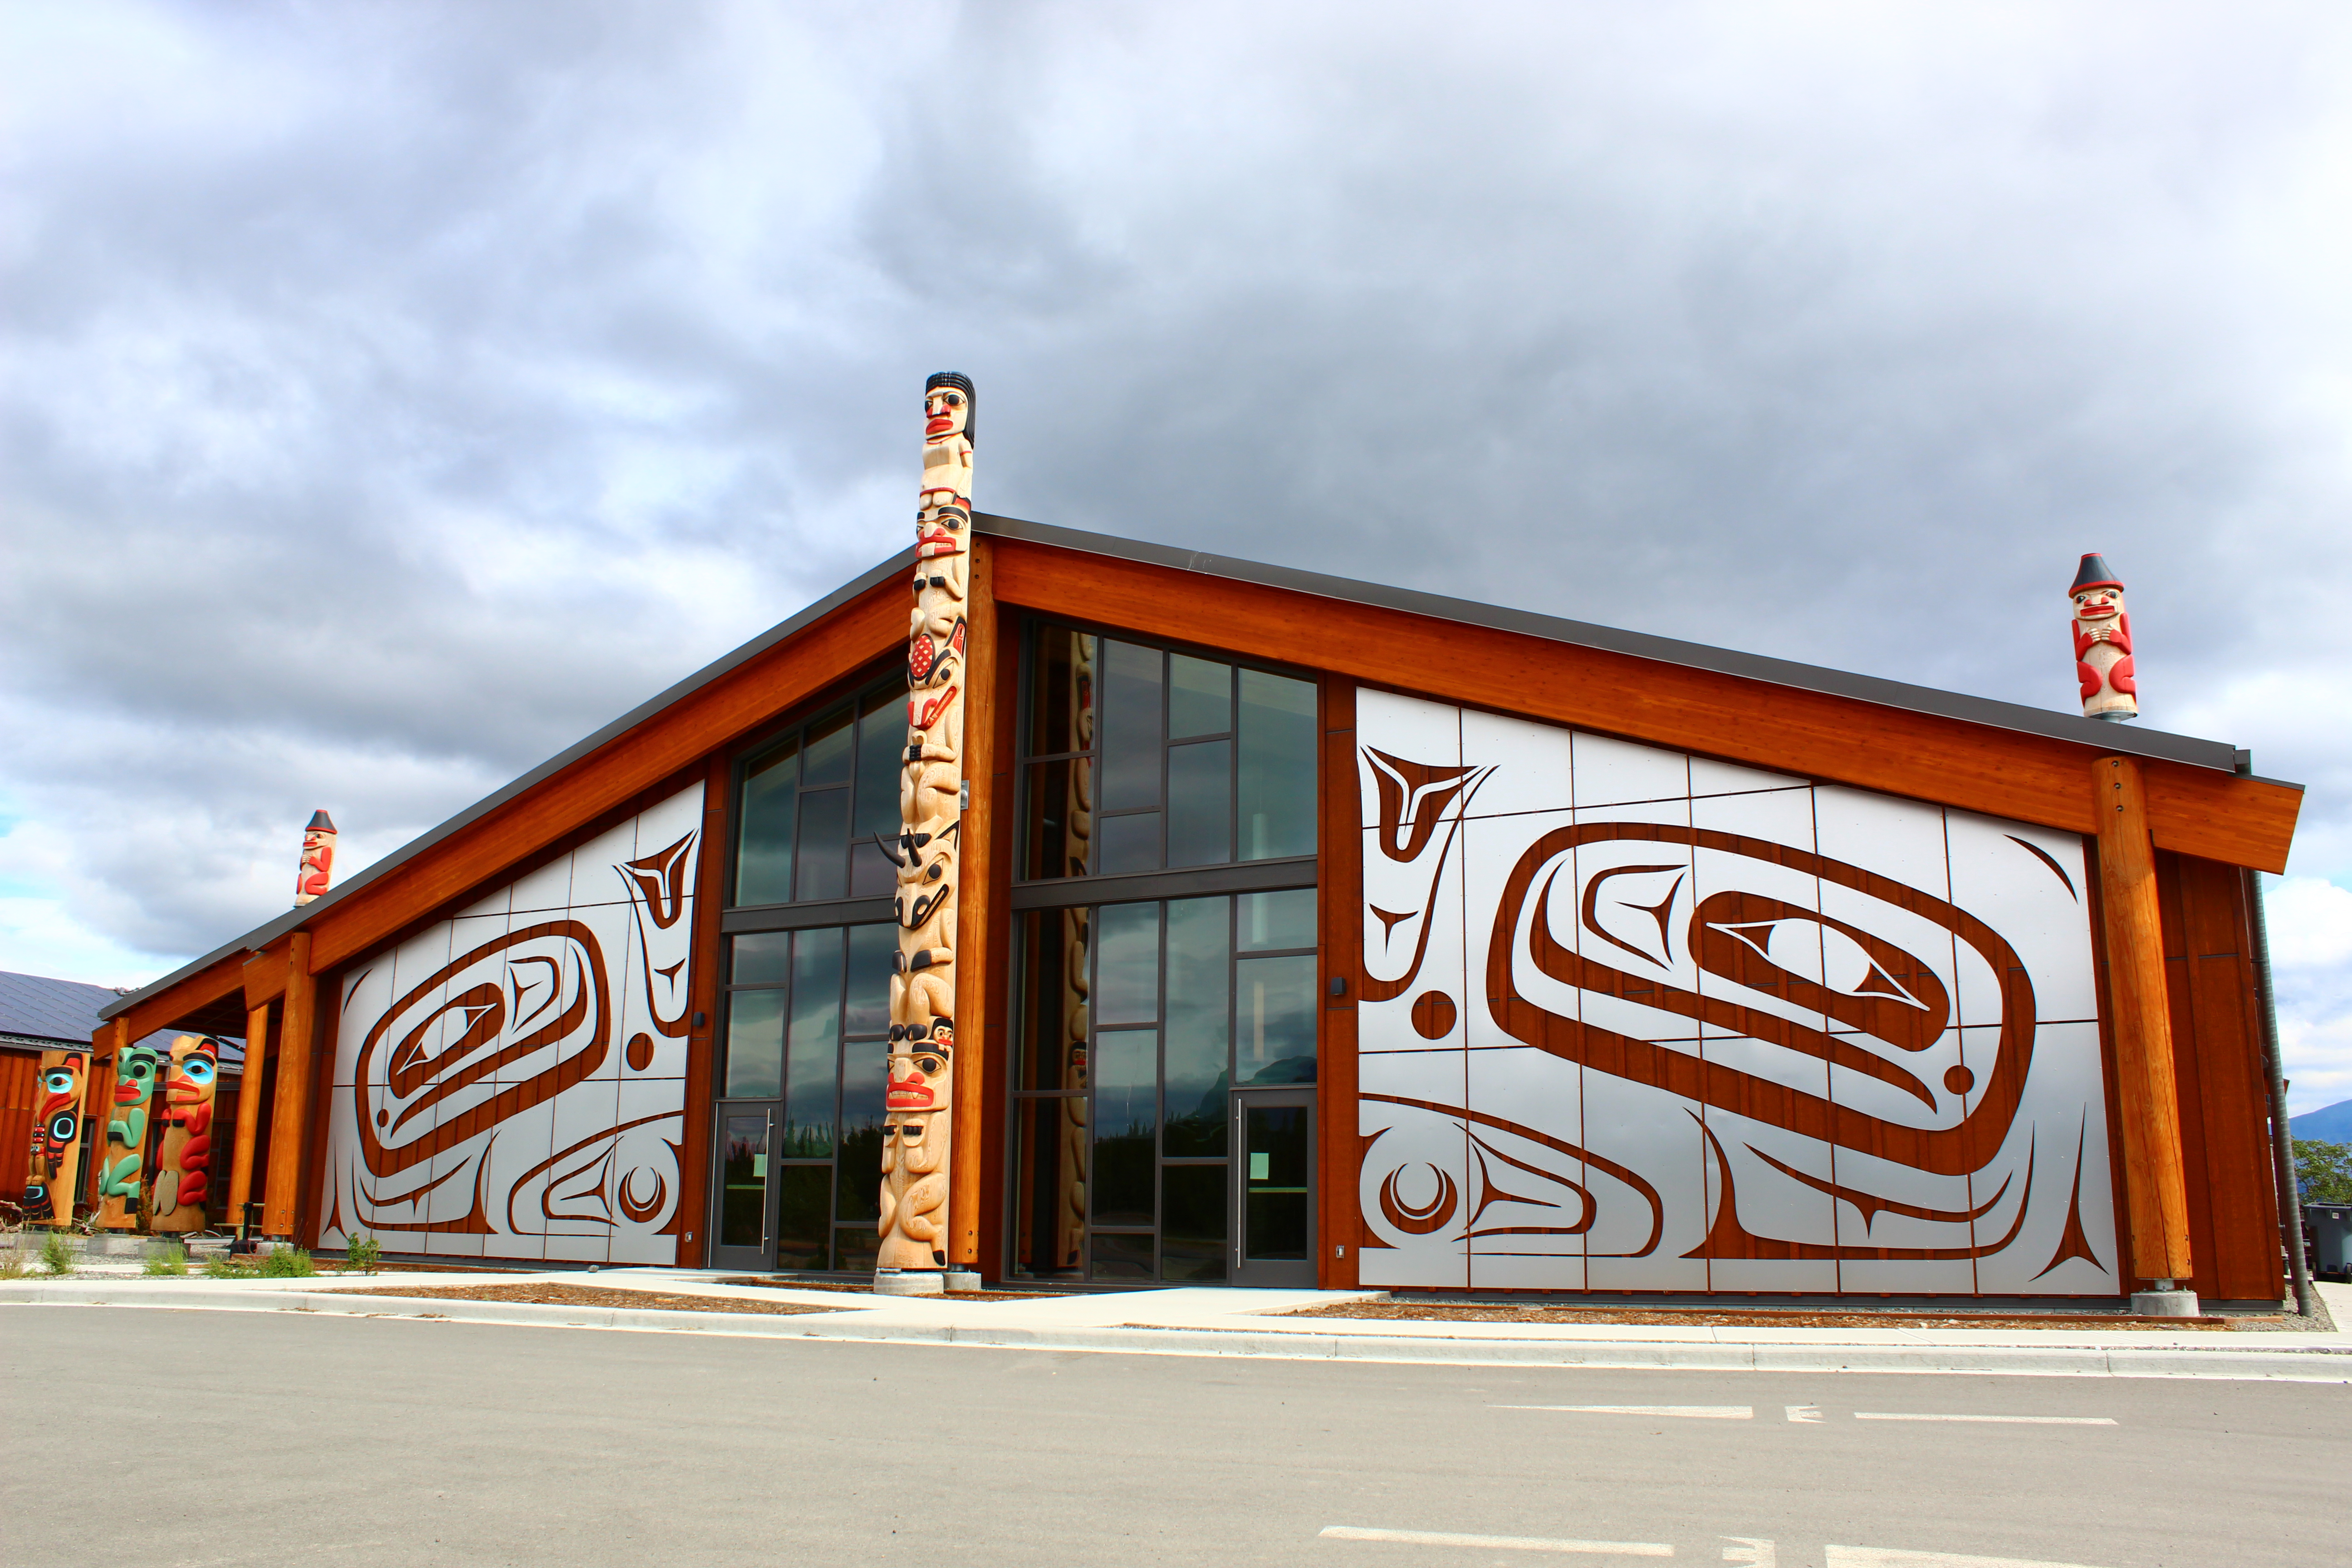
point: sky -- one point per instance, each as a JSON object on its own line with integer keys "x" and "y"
{"x": 390, "y": 394}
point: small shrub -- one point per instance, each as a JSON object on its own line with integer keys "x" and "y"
{"x": 364, "y": 1253}
{"x": 288, "y": 1263}
{"x": 56, "y": 1255}
{"x": 218, "y": 1267}
{"x": 170, "y": 1263}
{"x": 13, "y": 1265}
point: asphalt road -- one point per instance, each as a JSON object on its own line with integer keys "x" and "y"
{"x": 139, "y": 1437}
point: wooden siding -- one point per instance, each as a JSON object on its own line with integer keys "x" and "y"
{"x": 1339, "y": 907}
{"x": 20, "y": 1078}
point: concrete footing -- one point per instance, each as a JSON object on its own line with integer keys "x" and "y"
{"x": 964, "y": 1280}
{"x": 2164, "y": 1303}
{"x": 908, "y": 1282}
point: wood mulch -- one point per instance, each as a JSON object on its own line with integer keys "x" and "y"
{"x": 781, "y": 1283}
{"x": 555, "y": 1295}
{"x": 1759, "y": 1318}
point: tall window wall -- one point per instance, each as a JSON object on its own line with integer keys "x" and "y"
{"x": 1167, "y": 947}
{"x": 810, "y": 950}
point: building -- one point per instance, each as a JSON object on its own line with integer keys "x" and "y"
{"x": 1309, "y": 930}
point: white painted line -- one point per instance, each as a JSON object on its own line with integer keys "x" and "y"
{"x": 1498, "y": 1543}
{"x": 1695, "y": 1411}
{"x": 1805, "y": 1412}
{"x": 1997, "y": 1420}
{"x": 1878, "y": 1557}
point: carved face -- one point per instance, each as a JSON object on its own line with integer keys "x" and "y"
{"x": 195, "y": 1065}
{"x": 920, "y": 1070}
{"x": 135, "y": 1073}
{"x": 2099, "y": 603}
{"x": 939, "y": 529}
{"x": 61, "y": 1124}
{"x": 945, "y": 409}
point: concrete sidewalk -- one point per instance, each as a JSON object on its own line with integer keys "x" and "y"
{"x": 1216, "y": 1321}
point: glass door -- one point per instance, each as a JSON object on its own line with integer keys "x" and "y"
{"x": 1274, "y": 1210}
{"x": 745, "y": 1234}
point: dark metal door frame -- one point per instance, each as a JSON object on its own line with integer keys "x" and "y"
{"x": 1264, "y": 1273}
{"x": 762, "y": 1257}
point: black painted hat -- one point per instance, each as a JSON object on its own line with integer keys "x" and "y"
{"x": 2095, "y": 572}
{"x": 963, "y": 383}
{"x": 320, "y": 822}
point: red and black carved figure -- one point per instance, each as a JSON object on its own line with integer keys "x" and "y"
{"x": 57, "y": 1136}
{"x": 183, "y": 1173}
{"x": 2103, "y": 645}
{"x": 318, "y": 867}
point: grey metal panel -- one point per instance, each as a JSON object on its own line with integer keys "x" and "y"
{"x": 2127, "y": 739}
{"x": 1191, "y": 882}
{"x": 809, "y": 916}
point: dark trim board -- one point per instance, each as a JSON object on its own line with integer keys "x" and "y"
{"x": 1196, "y": 882}
{"x": 807, "y": 917}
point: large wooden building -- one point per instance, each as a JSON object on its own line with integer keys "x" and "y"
{"x": 1311, "y": 931}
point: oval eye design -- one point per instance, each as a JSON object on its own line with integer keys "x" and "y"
{"x": 58, "y": 1080}
{"x": 63, "y": 1125}
{"x": 1811, "y": 951}
{"x": 197, "y": 1069}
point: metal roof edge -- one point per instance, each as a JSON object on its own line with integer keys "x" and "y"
{"x": 261, "y": 936}
{"x": 2015, "y": 716}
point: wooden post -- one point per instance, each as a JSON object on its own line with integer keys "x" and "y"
{"x": 249, "y": 1111}
{"x": 976, "y": 916}
{"x": 98, "y": 1103}
{"x": 289, "y": 1110}
{"x": 2143, "y": 1026}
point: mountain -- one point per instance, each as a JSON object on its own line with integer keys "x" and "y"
{"x": 2329, "y": 1124}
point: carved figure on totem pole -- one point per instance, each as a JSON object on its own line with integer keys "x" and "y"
{"x": 183, "y": 1171}
{"x": 2103, "y": 647}
{"x": 138, "y": 1068}
{"x": 56, "y": 1166}
{"x": 318, "y": 859}
{"x": 918, "y": 1110}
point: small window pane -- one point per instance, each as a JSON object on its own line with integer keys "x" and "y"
{"x": 1200, "y": 1007}
{"x": 1200, "y": 804}
{"x": 871, "y": 874}
{"x": 1061, "y": 817}
{"x": 760, "y": 958}
{"x": 1061, "y": 703}
{"x": 1277, "y": 920}
{"x": 826, "y": 751}
{"x": 881, "y": 753}
{"x": 1127, "y": 970}
{"x": 804, "y": 1223}
{"x": 1278, "y": 766}
{"x": 855, "y": 1248}
{"x": 873, "y": 959}
{"x": 1125, "y": 1124}
{"x": 1054, "y": 1013}
{"x": 863, "y": 1074}
{"x": 1049, "y": 1176}
{"x": 1118, "y": 1257}
{"x": 1129, "y": 843}
{"x": 743, "y": 1178}
{"x": 1200, "y": 697}
{"x": 816, "y": 1045}
{"x": 1192, "y": 1223}
{"x": 763, "y": 861}
{"x": 1131, "y": 726}
{"x": 1276, "y": 1005}
{"x": 825, "y": 835}
{"x": 755, "y": 1044}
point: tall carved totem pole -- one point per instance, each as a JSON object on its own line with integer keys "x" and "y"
{"x": 917, "y": 1135}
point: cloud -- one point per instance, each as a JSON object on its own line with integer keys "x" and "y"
{"x": 394, "y": 394}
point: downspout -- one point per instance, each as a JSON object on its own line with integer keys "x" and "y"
{"x": 2282, "y": 1140}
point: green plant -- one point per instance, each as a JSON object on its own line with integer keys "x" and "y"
{"x": 364, "y": 1253}
{"x": 218, "y": 1267}
{"x": 57, "y": 1255}
{"x": 2323, "y": 1171}
{"x": 13, "y": 1265}
{"x": 168, "y": 1262}
{"x": 288, "y": 1263}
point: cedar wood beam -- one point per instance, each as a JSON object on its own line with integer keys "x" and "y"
{"x": 2030, "y": 778}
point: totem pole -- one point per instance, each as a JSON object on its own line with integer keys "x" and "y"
{"x": 318, "y": 859}
{"x": 918, "y": 1108}
{"x": 51, "y": 1181}
{"x": 1078, "y": 819}
{"x": 183, "y": 1157}
{"x": 137, "y": 1068}
{"x": 2103, "y": 647}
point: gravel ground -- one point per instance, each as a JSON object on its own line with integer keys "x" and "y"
{"x": 553, "y": 1295}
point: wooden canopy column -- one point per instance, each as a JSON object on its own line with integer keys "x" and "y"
{"x": 265, "y": 981}
{"x": 977, "y": 914}
{"x": 289, "y": 1112}
{"x": 2150, "y": 1105}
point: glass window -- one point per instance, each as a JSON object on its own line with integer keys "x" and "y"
{"x": 1200, "y": 804}
{"x": 763, "y": 857}
{"x": 1275, "y": 921}
{"x": 812, "y": 804}
{"x": 1200, "y": 697}
{"x": 1131, "y": 726}
{"x": 1198, "y": 1027}
{"x": 1126, "y": 1069}
{"x": 1278, "y": 766}
{"x": 813, "y": 1058}
{"x": 1127, "y": 973}
{"x": 1274, "y": 1019}
{"x": 755, "y": 1045}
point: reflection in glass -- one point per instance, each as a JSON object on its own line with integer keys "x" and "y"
{"x": 763, "y": 857}
{"x": 1127, "y": 965}
{"x": 1125, "y": 1120}
{"x": 1061, "y": 703}
{"x": 881, "y": 751}
{"x": 1200, "y": 998}
{"x": 1129, "y": 753}
{"x": 1059, "y": 826}
{"x": 1200, "y": 697}
{"x": 863, "y": 1074}
{"x": 1278, "y": 766}
{"x": 743, "y": 1176}
{"x": 1277, "y": 920}
{"x": 1200, "y": 804}
{"x": 1193, "y": 1221}
{"x": 755, "y": 1044}
{"x": 1276, "y": 1020}
{"x": 759, "y": 958}
{"x": 873, "y": 959}
{"x": 1121, "y": 1256}
{"x": 826, "y": 752}
{"x": 804, "y": 1216}
{"x": 1053, "y": 986}
{"x": 856, "y": 1249}
{"x": 825, "y": 844}
{"x": 1128, "y": 843}
{"x": 1049, "y": 1183}
{"x": 1275, "y": 1185}
{"x": 816, "y": 1045}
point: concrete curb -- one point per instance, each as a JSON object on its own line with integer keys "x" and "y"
{"x": 2318, "y": 1363}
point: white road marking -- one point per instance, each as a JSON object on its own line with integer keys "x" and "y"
{"x": 1748, "y": 1549}
{"x": 1695, "y": 1411}
{"x": 1804, "y": 1412}
{"x": 1877, "y": 1557}
{"x": 1499, "y": 1543}
{"x": 1999, "y": 1420}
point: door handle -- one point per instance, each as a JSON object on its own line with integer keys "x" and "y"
{"x": 768, "y": 1151}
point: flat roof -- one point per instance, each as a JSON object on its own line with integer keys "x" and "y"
{"x": 2127, "y": 739}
